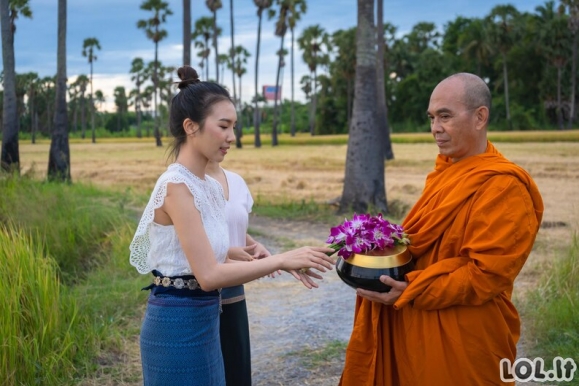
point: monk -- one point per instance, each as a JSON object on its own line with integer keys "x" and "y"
{"x": 452, "y": 320}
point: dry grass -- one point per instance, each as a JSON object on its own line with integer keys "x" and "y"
{"x": 293, "y": 173}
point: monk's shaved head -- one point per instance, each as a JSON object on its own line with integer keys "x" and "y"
{"x": 476, "y": 92}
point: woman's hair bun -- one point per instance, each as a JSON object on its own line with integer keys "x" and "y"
{"x": 188, "y": 76}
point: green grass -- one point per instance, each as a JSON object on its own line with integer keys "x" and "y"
{"x": 40, "y": 320}
{"x": 552, "y": 310}
{"x": 56, "y": 331}
{"x": 312, "y": 358}
{"x": 71, "y": 221}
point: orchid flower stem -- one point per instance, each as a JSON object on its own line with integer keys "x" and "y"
{"x": 335, "y": 247}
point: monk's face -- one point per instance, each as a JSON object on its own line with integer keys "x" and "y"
{"x": 455, "y": 126}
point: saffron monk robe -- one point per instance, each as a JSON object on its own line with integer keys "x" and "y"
{"x": 471, "y": 232}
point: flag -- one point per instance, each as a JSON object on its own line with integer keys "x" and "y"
{"x": 269, "y": 93}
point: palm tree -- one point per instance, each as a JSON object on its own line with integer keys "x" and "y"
{"x": 213, "y": 6}
{"x": 503, "y": 36}
{"x": 475, "y": 43}
{"x": 224, "y": 61}
{"x": 99, "y": 99}
{"x": 381, "y": 97}
{"x": 315, "y": 43}
{"x": 187, "y": 32}
{"x": 295, "y": 11}
{"x": 88, "y": 47}
{"x": 364, "y": 175}
{"x": 10, "y": 157}
{"x": 81, "y": 82}
{"x": 204, "y": 30}
{"x": 573, "y": 23}
{"x": 160, "y": 11}
{"x": 59, "y": 155}
{"x": 138, "y": 76}
{"x": 280, "y": 31}
{"x": 232, "y": 60}
{"x": 239, "y": 68}
{"x": 345, "y": 63}
{"x": 47, "y": 87}
{"x": 121, "y": 103}
{"x": 10, "y": 154}
{"x": 556, "y": 38}
{"x": 261, "y": 6}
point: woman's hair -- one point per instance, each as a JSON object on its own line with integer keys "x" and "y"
{"x": 194, "y": 101}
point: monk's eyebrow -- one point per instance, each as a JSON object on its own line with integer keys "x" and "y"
{"x": 439, "y": 111}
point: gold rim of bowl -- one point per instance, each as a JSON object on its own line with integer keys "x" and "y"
{"x": 392, "y": 258}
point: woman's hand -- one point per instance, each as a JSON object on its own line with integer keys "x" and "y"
{"x": 387, "y": 298}
{"x": 246, "y": 253}
{"x": 305, "y": 277}
{"x": 260, "y": 251}
{"x": 307, "y": 257}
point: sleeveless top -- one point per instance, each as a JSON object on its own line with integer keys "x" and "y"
{"x": 156, "y": 247}
{"x": 237, "y": 211}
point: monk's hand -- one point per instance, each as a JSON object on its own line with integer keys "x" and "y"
{"x": 388, "y": 298}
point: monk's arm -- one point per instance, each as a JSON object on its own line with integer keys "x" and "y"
{"x": 497, "y": 240}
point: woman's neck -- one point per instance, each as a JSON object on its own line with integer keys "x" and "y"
{"x": 212, "y": 169}
{"x": 196, "y": 165}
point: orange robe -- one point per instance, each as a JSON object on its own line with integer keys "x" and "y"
{"x": 471, "y": 232}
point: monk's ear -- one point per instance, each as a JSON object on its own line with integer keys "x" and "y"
{"x": 482, "y": 117}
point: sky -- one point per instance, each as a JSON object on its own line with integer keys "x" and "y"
{"x": 113, "y": 23}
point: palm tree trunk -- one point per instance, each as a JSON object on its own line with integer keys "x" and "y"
{"x": 215, "y": 46}
{"x": 92, "y": 106}
{"x": 75, "y": 117}
{"x": 155, "y": 84}
{"x": 364, "y": 177}
{"x": 256, "y": 107}
{"x": 293, "y": 112}
{"x": 59, "y": 155}
{"x": 381, "y": 97}
{"x": 10, "y": 153}
{"x": 232, "y": 54}
{"x": 138, "y": 110}
{"x": 34, "y": 127}
{"x": 275, "y": 103}
{"x": 506, "y": 84}
{"x": 314, "y": 101}
{"x": 239, "y": 127}
{"x": 82, "y": 115}
{"x": 186, "y": 32}
{"x": 349, "y": 99}
{"x": 559, "y": 106}
{"x": 573, "y": 81}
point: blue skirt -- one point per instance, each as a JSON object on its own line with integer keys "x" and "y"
{"x": 180, "y": 342}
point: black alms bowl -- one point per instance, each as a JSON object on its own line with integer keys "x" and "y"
{"x": 364, "y": 270}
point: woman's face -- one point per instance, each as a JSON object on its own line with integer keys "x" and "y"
{"x": 217, "y": 135}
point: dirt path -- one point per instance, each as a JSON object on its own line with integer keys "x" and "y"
{"x": 288, "y": 320}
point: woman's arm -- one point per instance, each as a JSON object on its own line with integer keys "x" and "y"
{"x": 186, "y": 219}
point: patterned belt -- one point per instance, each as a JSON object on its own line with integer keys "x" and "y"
{"x": 178, "y": 282}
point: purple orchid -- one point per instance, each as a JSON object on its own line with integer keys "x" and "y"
{"x": 365, "y": 233}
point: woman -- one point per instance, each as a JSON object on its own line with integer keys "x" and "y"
{"x": 234, "y": 323}
{"x": 183, "y": 239}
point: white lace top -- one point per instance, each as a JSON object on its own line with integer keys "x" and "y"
{"x": 156, "y": 246}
